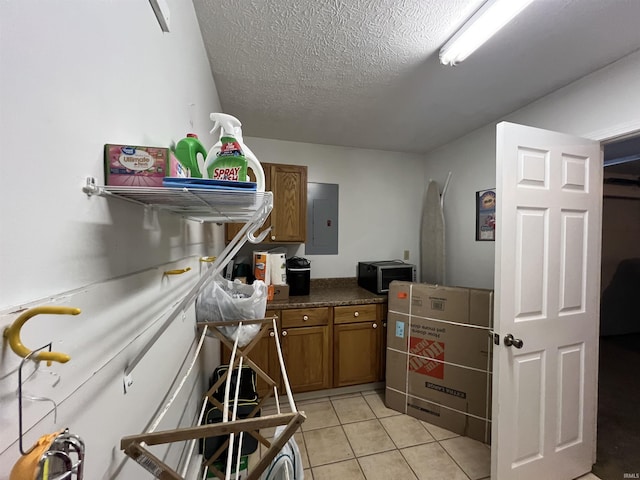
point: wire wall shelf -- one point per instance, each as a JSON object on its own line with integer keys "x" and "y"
{"x": 203, "y": 205}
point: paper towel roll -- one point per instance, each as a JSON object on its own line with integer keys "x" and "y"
{"x": 261, "y": 269}
{"x": 278, "y": 268}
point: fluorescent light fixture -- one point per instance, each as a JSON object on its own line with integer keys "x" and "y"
{"x": 490, "y": 18}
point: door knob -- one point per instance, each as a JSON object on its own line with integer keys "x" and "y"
{"x": 510, "y": 341}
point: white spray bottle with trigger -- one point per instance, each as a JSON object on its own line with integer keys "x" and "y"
{"x": 231, "y": 130}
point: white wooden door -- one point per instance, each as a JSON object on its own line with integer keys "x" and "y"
{"x": 547, "y": 294}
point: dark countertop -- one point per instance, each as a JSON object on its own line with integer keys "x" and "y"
{"x": 330, "y": 292}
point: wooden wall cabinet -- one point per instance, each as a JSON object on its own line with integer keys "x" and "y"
{"x": 357, "y": 344}
{"x": 288, "y": 219}
{"x": 306, "y": 347}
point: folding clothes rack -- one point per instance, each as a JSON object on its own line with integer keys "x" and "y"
{"x": 135, "y": 445}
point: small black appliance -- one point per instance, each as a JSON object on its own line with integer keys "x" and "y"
{"x": 298, "y": 276}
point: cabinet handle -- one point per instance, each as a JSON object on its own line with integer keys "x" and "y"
{"x": 271, "y": 334}
{"x": 375, "y": 325}
{"x": 384, "y": 325}
{"x": 273, "y": 237}
{"x": 356, "y": 314}
{"x": 305, "y": 317}
{"x": 284, "y": 333}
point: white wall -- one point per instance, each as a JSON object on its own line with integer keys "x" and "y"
{"x": 380, "y": 199}
{"x": 600, "y": 105}
{"x": 468, "y": 263}
{"x": 75, "y": 75}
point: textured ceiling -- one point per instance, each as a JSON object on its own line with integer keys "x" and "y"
{"x": 365, "y": 73}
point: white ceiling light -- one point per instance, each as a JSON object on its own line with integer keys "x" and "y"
{"x": 490, "y": 18}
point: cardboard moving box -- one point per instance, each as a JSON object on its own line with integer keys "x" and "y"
{"x": 439, "y": 356}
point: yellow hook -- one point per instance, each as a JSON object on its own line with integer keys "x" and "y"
{"x": 12, "y": 333}
{"x": 208, "y": 259}
{"x": 177, "y": 272}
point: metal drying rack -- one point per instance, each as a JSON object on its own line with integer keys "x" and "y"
{"x": 202, "y": 205}
{"x": 135, "y": 446}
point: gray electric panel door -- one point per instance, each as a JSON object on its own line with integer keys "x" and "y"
{"x": 322, "y": 219}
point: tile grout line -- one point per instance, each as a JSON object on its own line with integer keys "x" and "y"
{"x": 454, "y": 461}
{"x": 349, "y": 442}
{"x": 355, "y": 457}
{"x": 345, "y": 435}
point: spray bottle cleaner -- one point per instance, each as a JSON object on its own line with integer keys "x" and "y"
{"x": 229, "y": 158}
{"x": 187, "y": 151}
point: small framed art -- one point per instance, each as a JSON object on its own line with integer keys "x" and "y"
{"x": 486, "y": 215}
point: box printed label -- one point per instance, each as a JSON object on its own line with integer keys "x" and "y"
{"x": 400, "y": 329}
{"x": 434, "y": 410}
{"x": 447, "y": 390}
{"x": 431, "y": 350}
{"x": 438, "y": 304}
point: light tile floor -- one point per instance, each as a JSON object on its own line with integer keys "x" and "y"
{"x": 355, "y": 436}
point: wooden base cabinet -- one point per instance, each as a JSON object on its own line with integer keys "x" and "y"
{"x": 306, "y": 341}
{"x": 324, "y": 347}
{"x": 382, "y": 314}
{"x": 357, "y": 344}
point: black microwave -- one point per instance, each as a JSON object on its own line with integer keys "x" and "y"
{"x": 376, "y": 276}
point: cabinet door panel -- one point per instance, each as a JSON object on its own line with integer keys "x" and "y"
{"x": 288, "y": 219}
{"x": 231, "y": 229}
{"x": 357, "y": 353}
{"x": 307, "y": 358}
{"x": 289, "y": 214}
{"x": 383, "y": 341}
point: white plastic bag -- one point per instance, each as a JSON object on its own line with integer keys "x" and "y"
{"x": 223, "y": 300}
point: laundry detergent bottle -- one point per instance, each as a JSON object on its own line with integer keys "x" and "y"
{"x": 191, "y": 154}
{"x": 229, "y": 158}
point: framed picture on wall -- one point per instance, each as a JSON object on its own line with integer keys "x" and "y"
{"x": 486, "y": 215}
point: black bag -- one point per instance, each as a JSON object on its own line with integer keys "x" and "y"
{"x": 247, "y": 392}
{"x": 247, "y": 402}
{"x": 212, "y": 444}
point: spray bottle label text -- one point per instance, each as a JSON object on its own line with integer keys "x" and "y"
{"x": 227, "y": 173}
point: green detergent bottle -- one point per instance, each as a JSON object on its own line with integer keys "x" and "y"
{"x": 187, "y": 151}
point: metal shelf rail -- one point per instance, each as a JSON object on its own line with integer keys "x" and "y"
{"x": 250, "y": 208}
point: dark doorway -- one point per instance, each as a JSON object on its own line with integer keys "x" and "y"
{"x": 618, "y": 450}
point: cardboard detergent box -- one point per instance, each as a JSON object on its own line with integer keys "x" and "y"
{"x": 137, "y": 166}
{"x": 439, "y": 355}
